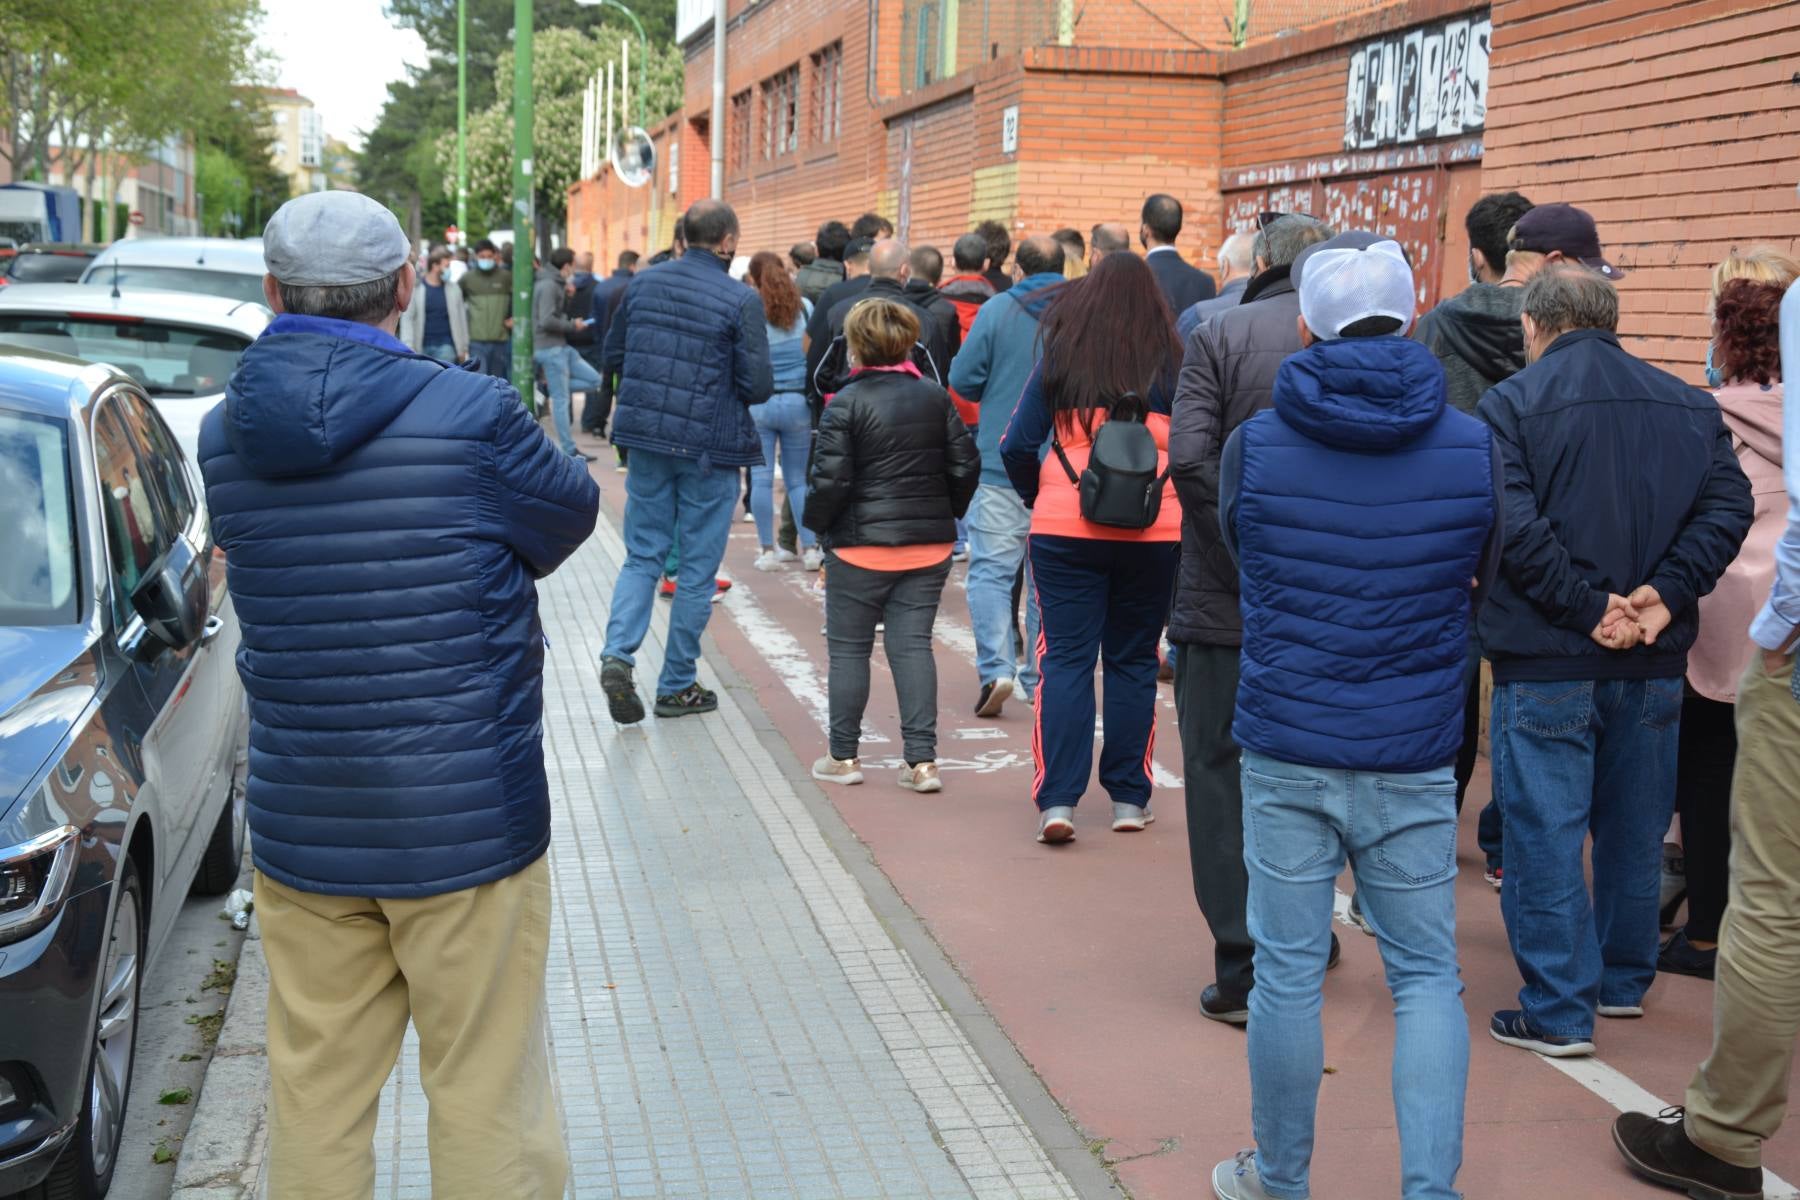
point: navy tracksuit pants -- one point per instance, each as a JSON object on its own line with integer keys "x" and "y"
{"x": 1111, "y": 599}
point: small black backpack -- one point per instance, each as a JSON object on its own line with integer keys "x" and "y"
{"x": 1121, "y": 486}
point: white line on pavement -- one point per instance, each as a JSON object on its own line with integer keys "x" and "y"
{"x": 787, "y": 658}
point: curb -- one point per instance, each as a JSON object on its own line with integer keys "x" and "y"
{"x": 221, "y": 1159}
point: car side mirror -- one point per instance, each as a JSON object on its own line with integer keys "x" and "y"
{"x": 171, "y": 597}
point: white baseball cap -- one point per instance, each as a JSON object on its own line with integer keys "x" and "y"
{"x": 1353, "y": 277}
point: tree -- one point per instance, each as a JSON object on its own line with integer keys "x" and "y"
{"x": 563, "y": 60}
{"x": 239, "y": 138}
{"x": 398, "y": 164}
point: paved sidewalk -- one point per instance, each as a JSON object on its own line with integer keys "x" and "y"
{"x": 729, "y": 1016}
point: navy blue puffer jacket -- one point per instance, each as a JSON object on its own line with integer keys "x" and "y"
{"x": 691, "y": 346}
{"x": 383, "y": 518}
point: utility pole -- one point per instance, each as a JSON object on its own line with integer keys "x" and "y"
{"x": 718, "y": 132}
{"x": 462, "y": 117}
{"x": 524, "y": 215}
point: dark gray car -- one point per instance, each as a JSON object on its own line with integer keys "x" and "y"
{"x": 121, "y": 715}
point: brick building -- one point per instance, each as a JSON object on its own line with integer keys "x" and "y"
{"x": 1675, "y": 122}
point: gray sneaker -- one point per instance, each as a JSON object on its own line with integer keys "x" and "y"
{"x": 622, "y": 700}
{"x": 1056, "y": 825}
{"x": 1131, "y": 818}
{"x": 1236, "y": 1178}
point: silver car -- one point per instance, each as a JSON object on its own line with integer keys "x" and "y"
{"x": 179, "y": 347}
{"x": 229, "y": 267}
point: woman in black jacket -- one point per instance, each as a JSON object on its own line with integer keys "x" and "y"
{"x": 893, "y": 469}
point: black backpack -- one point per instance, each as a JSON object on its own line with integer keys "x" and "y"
{"x": 1121, "y": 486}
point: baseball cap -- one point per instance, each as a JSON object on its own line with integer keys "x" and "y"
{"x": 332, "y": 239}
{"x": 858, "y": 246}
{"x": 1350, "y": 278}
{"x": 1550, "y": 228}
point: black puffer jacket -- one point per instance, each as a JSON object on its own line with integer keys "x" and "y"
{"x": 1226, "y": 378}
{"x": 893, "y": 465}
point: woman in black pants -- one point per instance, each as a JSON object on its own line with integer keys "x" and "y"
{"x": 893, "y": 469}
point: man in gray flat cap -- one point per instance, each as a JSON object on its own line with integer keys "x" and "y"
{"x": 384, "y": 517}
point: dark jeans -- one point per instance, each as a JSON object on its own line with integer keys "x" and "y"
{"x": 495, "y": 358}
{"x": 598, "y": 408}
{"x": 1573, "y": 759}
{"x": 856, "y": 600}
{"x": 1708, "y": 752}
{"x": 1488, "y": 834}
{"x": 1107, "y": 600}
{"x": 1206, "y": 683}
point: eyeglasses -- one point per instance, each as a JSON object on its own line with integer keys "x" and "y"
{"x": 1266, "y": 219}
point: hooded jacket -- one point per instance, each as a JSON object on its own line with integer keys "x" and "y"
{"x": 383, "y": 517}
{"x": 550, "y": 323}
{"x": 1477, "y": 336}
{"x": 817, "y": 275}
{"x": 1723, "y": 648}
{"x": 968, "y": 293}
{"x": 996, "y": 360}
{"x": 1617, "y": 474}
{"x": 1226, "y": 378}
{"x": 1360, "y": 508}
{"x": 949, "y": 320}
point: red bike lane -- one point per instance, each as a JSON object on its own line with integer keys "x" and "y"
{"x": 1092, "y": 955}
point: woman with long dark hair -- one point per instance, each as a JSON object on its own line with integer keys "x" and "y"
{"x": 783, "y": 420}
{"x": 1105, "y": 531}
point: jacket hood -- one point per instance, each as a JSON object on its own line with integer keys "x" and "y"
{"x": 1370, "y": 394}
{"x": 310, "y": 391}
{"x": 1033, "y": 291}
{"x": 1754, "y": 414}
{"x": 549, "y": 274}
{"x": 965, "y": 287}
{"x": 921, "y": 291}
{"x": 1480, "y": 325}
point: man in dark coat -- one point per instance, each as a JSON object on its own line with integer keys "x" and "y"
{"x": 927, "y": 264}
{"x": 827, "y": 266}
{"x": 1225, "y": 379}
{"x": 602, "y": 300}
{"x": 890, "y": 266}
{"x": 385, "y": 518}
{"x": 1184, "y": 284}
{"x": 691, "y": 347}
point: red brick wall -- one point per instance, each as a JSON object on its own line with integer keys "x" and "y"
{"x": 606, "y": 218}
{"x": 1677, "y": 125}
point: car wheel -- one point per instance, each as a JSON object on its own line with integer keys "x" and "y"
{"x": 224, "y": 855}
{"x": 85, "y": 1169}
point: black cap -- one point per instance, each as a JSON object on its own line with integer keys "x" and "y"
{"x": 1565, "y": 229}
{"x": 858, "y": 246}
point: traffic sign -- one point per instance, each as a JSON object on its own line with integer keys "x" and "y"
{"x": 136, "y": 218}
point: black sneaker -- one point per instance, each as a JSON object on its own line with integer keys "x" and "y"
{"x": 621, "y": 693}
{"x": 1514, "y": 1028}
{"x": 993, "y": 697}
{"x": 1337, "y": 952}
{"x": 1680, "y": 957}
{"x": 1217, "y": 1006}
{"x": 688, "y": 701}
{"x": 1659, "y": 1150}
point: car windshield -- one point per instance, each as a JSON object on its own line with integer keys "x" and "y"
{"x": 233, "y": 285}
{"x": 166, "y": 360}
{"x": 48, "y": 268}
{"x": 37, "y": 522}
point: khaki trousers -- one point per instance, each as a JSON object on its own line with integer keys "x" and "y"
{"x": 468, "y": 969}
{"x": 1739, "y": 1095}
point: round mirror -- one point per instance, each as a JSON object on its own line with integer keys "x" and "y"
{"x": 633, "y": 156}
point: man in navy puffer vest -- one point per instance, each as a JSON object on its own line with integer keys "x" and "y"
{"x": 384, "y": 516}
{"x": 691, "y": 346}
{"x": 1362, "y": 511}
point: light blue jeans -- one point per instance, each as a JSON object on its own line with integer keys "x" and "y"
{"x": 785, "y": 422}
{"x": 565, "y": 371}
{"x": 998, "y": 523}
{"x": 1399, "y": 834}
{"x": 665, "y": 495}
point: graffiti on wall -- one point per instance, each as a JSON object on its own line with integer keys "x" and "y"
{"x": 1425, "y": 83}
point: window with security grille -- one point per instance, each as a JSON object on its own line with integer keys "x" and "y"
{"x": 827, "y": 94}
{"x": 737, "y": 141}
{"x": 781, "y": 114}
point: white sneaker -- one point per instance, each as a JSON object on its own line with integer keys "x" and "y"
{"x": 784, "y": 555}
{"x": 838, "y": 770}
{"x": 813, "y": 559}
{"x": 922, "y": 778}
{"x": 1056, "y": 824}
{"x": 768, "y": 560}
{"x": 749, "y": 518}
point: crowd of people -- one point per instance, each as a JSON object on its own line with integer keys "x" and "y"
{"x": 1335, "y": 507}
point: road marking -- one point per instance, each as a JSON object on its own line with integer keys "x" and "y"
{"x": 788, "y": 659}
{"x": 979, "y": 733}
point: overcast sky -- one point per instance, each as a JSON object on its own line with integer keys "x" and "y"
{"x": 341, "y": 55}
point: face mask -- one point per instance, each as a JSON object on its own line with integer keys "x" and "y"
{"x": 485, "y": 264}
{"x": 1714, "y": 377}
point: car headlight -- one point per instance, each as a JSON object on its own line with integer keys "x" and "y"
{"x": 34, "y": 878}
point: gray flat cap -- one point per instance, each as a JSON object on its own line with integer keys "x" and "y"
{"x": 332, "y": 239}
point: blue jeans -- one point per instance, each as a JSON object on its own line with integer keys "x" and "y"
{"x": 998, "y": 523}
{"x": 785, "y": 423}
{"x": 666, "y": 496}
{"x": 495, "y": 358}
{"x": 565, "y": 371}
{"x": 442, "y": 351}
{"x": 1573, "y": 759}
{"x": 1399, "y": 833}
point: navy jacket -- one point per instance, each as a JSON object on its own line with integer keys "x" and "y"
{"x": 692, "y": 349}
{"x": 1183, "y": 284}
{"x": 604, "y": 302}
{"x": 1360, "y": 509}
{"x": 1617, "y": 475}
{"x": 384, "y": 516}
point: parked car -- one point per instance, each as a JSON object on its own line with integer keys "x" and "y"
{"x": 180, "y": 348}
{"x": 121, "y": 715}
{"x": 47, "y": 262}
{"x": 230, "y": 267}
